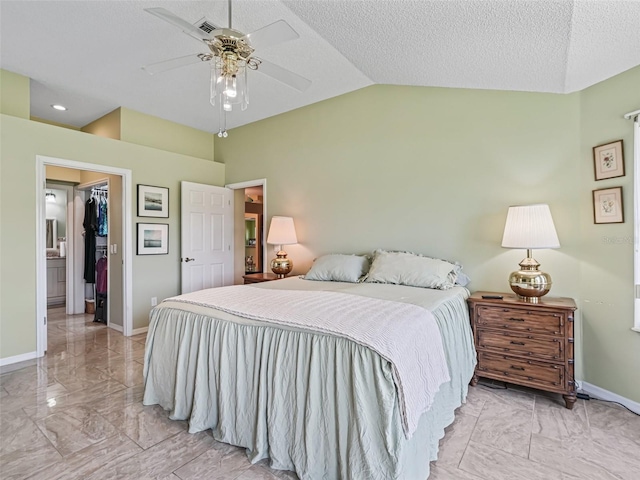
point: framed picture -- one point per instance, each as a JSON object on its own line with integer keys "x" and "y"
{"x": 607, "y": 205}
{"x": 608, "y": 160}
{"x": 153, "y": 201}
{"x": 153, "y": 239}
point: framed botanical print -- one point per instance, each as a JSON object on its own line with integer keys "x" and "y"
{"x": 153, "y": 201}
{"x": 608, "y": 160}
{"x": 607, "y": 205}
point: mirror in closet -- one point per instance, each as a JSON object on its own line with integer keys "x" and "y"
{"x": 52, "y": 232}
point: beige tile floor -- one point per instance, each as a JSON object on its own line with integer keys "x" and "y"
{"x": 77, "y": 414}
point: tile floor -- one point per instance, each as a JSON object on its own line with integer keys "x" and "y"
{"x": 77, "y": 414}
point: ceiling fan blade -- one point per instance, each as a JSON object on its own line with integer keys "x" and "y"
{"x": 165, "y": 65}
{"x": 183, "y": 25}
{"x": 272, "y": 34}
{"x": 283, "y": 75}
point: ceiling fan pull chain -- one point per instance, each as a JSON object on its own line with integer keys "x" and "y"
{"x": 222, "y": 118}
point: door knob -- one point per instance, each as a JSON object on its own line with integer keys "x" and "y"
{"x": 187, "y": 259}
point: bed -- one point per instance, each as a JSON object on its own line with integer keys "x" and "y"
{"x": 317, "y": 403}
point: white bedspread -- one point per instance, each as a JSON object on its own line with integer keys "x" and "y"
{"x": 405, "y": 335}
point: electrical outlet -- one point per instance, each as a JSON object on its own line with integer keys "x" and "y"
{"x": 154, "y": 301}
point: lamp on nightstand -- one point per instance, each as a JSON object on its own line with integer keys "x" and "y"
{"x": 281, "y": 232}
{"x": 530, "y": 226}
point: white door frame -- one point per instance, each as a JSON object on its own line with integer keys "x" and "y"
{"x": 261, "y": 182}
{"x": 41, "y": 260}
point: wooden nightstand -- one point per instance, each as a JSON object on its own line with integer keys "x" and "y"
{"x": 259, "y": 277}
{"x": 524, "y": 343}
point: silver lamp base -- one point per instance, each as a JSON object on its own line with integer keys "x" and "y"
{"x": 281, "y": 265}
{"x": 529, "y": 283}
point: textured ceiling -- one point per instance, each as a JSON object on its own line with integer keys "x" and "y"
{"x": 87, "y": 54}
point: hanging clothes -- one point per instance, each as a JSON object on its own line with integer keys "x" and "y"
{"x": 103, "y": 230}
{"x": 101, "y": 275}
{"x": 90, "y": 225}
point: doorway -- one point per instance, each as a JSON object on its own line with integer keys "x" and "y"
{"x": 59, "y": 225}
{"x": 253, "y": 229}
{"x": 250, "y": 213}
{"x": 75, "y": 297}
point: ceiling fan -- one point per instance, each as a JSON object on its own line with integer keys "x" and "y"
{"x": 230, "y": 55}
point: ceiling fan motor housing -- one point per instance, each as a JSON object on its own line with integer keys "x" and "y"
{"x": 227, "y": 40}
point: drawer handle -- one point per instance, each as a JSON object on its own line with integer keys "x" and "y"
{"x": 511, "y": 319}
{"x": 516, "y": 343}
{"x": 517, "y": 368}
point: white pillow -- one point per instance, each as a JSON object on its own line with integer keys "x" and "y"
{"x": 339, "y": 268}
{"x": 405, "y": 268}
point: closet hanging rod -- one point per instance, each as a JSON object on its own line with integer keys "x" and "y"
{"x": 89, "y": 185}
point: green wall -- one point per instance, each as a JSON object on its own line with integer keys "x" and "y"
{"x": 20, "y": 141}
{"x": 107, "y": 126}
{"x": 14, "y": 94}
{"x": 136, "y": 127}
{"x": 612, "y": 350}
{"x": 433, "y": 170}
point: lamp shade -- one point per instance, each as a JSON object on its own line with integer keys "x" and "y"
{"x": 530, "y": 226}
{"x": 282, "y": 231}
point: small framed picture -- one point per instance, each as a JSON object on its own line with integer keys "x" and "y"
{"x": 153, "y": 201}
{"x": 607, "y": 205}
{"x": 608, "y": 160}
{"x": 153, "y": 239}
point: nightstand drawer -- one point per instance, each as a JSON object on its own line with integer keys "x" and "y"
{"x": 544, "y": 348}
{"x": 511, "y": 369}
{"x": 520, "y": 319}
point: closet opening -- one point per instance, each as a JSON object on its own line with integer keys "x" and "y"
{"x": 94, "y": 250}
{"x": 96, "y": 242}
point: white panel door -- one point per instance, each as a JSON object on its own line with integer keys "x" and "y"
{"x": 207, "y": 236}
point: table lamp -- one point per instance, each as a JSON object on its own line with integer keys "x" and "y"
{"x": 530, "y": 226}
{"x": 281, "y": 232}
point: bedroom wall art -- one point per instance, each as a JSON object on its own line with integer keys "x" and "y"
{"x": 608, "y": 160}
{"x": 153, "y": 239}
{"x": 607, "y": 205}
{"x": 153, "y": 201}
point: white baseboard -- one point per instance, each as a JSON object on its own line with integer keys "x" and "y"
{"x": 603, "y": 394}
{"x": 138, "y": 331}
{"x": 18, "y": 358}
{"x": 116, "y": 327}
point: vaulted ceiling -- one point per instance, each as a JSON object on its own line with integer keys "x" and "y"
{"x": 87, "y": 54}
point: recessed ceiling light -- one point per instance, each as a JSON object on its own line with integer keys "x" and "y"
{"x": 62, "y": 108}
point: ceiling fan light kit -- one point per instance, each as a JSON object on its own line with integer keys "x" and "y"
{"x": 230, "y": 57}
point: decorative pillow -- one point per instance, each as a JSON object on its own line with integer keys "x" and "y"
{"x": 339, "y": 268}
{"x": 405, "y": 268}
{"x": 463, "y": 279}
